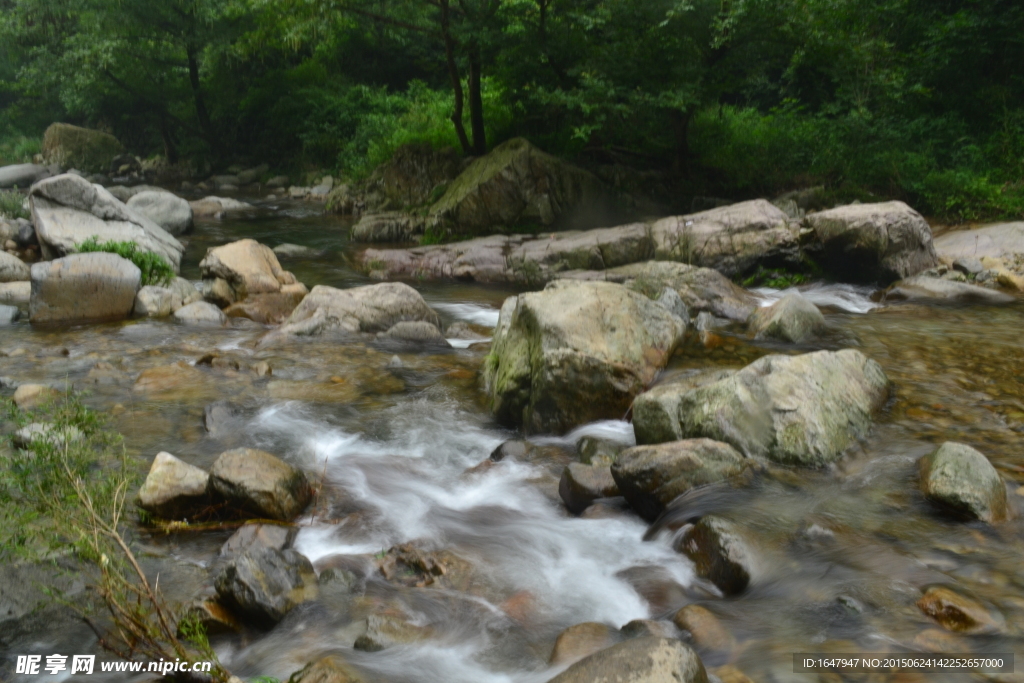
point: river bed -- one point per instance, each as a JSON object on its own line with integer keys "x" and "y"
{"x": 394, "y": 438}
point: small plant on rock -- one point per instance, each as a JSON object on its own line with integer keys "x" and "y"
{"x": 12, "y": 204}
{"x": 155, "y": 269}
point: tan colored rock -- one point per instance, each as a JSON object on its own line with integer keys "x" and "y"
{"x": 707, "y": 631}
{"x": 174, "y": 489}
{"x": 923, "y": 288}
{"x": 167, "y": 378}
{"x": 581, "y": 640}
{"x": 33, "y": 395}
{"x": 216, "y": 206}
{"x": 332, "y": 669}
{"x": 12, "y": 268}
{"x": 958, "y": 613}
{"x": 153, "y": 302}
{"x": 93, "y": 287}
{"x": 386, "y": 630}
{"x": 15, "y": 294}
{"x": 260, "y": 483}
{"x": 247, "y": 266}
{"x": 641, "y": 660}
{"x": 200, "y": 313}
{"x": 269, "y": 309}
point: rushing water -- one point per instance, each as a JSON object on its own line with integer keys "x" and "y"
{"x": 396, "y": 440}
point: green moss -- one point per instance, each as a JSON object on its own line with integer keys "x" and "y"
{"x": 776, "y": 278}
{"x": 87, "y": 150}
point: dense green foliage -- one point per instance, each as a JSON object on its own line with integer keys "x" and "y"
{"x": 917, "y": 99}
{"x": 155, "y": 269}
{"x": 12, "y": 204}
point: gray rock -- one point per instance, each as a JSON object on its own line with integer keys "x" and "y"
{"x": 796, "y": 410}
{"x": 261, "y": 483}
{"x": 278, "y": 181}
{"x": 68, "y": 210}
{"x": 219, "y": 416}
{"x": 393, "y": 226}
{"x": 22, "y": 175}
{"x": 640, "y": 660}
{"x": 169, "y": 211}
{"x": 200, "y": 313}
{"x": 16, "y": 294}
{"x": 969, "y": 265}
{"x": 9, "y": 314}
{"x": 79, "y": 288}
{"x": 26, "y": 236}
{"x": 123, "y": 193}
{"x": 265, "y": 583}
{"x": 373, "y": 308}
{"x": 923, "y": 288}
{"x": 732, "y": 239}
{"x": 217, "y": 206}
{"x": 873, "y": 242}
{"x": 47, "y": 433}
{"x": 253, "y": 535}
{"x": 791, "y": 319}
{"x": 651, "y": 477}
{"x": 656, "y": 416}
{"x": 963, "y": 481}
{"x": 386, "y": 630}
{"x": 416, "y": 331}
{"x": 294, "y": 251}
{"x": 670, "y": 300}
{"x": 251, "y": 175}
{"x": 576, "y": 352}
{"x": 722, "y": 554}
{"x": 594, "y": 450}
{"x": 12, "y": 268}
{"x": 174, "y": 489}
{"x": 183, "y": 293}
{"x": 153, "y": 302}
{"x": 582, "y": 484}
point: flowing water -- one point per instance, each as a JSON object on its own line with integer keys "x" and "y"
{"x": 396, "y": 440}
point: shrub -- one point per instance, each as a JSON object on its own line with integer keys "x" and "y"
{"x": 12, "y": 204}
{"x": 155, "y": 270}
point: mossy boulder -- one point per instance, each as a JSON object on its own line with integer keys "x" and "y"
{"x": 89, "y": 151}
{"x": 576, "y": 352}
{"x": 518, "y": 186}
{"x": 961, "y": 480}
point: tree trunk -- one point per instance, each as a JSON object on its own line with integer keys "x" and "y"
{"x": 453, "y": 72}
{"x": 197, "y": 95}
{"x": 476, "y": 105}
{"x": 681, "y": 127}
{"x": 170, "y": 150}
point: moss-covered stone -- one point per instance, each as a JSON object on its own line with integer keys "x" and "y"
{"x": 90, "y": 151}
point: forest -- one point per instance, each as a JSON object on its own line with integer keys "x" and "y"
{"x": 919, "y": 100}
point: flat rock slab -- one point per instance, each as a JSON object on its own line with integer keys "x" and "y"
{"x": 924, "y": 288}
{"x": 81, "y": 288}
{"x": 22, "y": 175}
{"x": 1003, "y": 240}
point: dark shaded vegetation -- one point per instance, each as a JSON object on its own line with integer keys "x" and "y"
{"x": 920, "y": 100}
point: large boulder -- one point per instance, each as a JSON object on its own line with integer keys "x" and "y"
{"x": 239, "y": 269}
{"x": 174, "y": 489}
{"x": 651, "y": 477}
{"x": 392, "y": 226}
{"x": 67, "y": 210}
{"x": 265, "y": 584}
{"x": 90, "y": 151}
{"x": 923, "y": 288}
{"x": 731, "y": 239}
{"x": 581, "y": 484}
{"x": 641, "y": 660}
{"x": 516, "y": 184}
{"x": 656, "y": 411}
{"x": 169, "y": 211}
{"x": 790, "y": 319}
{"x": 16, "y": 293}
{"x": 373, "y": 308}
{"x": 414, "y": 173}
{"x": 873, "y": 242}
{"x": 12, "y": 268}
{"x": 82, "y": 288}
{"x": 576, "y": 352}
{"x": 797, "y": 410}
{"x": 216, "y": 206}
{"x": 22, "y": 175}
{"x": 961, "y": 480}
{"x": 260, "y": 483}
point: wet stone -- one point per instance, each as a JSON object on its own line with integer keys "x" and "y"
{"x": 385, "y": 630}
{"x": 260, "y": 483}
{"x": 332, "y": 669}
{"x": 640, "y": 660}
{"x": 581, "y": 640}
{"x": 958, "y": 613}
{"x": 213, "y": 616}
{"x": 174, "y": 489}
{"x": 251, "y": 536}
{"x": 593, "y": 450}
{"x": 721, "y": 554}
{"x": 638, "y": 628}
{"x": 266, "y": 583}
{"x": 707, "y": 631}
{"x": 962, "y": 480}
{"x": 581, "y": 485}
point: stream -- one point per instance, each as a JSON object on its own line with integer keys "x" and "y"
{"x": 396, "y": 440}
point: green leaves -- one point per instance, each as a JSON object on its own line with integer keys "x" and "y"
{"x": 155, "y": 269}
